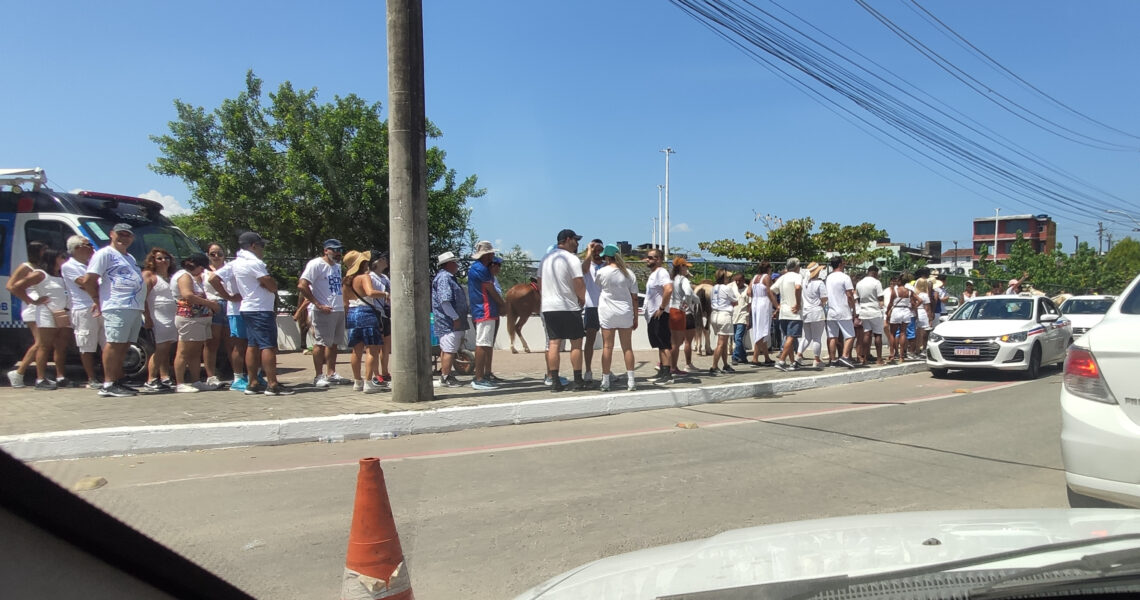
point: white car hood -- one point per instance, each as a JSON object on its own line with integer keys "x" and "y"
{"x": 856, "y": 545}
{"x": 981, "y": 328}
{"x": 1086, "y": 321}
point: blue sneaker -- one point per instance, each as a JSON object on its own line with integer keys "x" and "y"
{"x": 240, "y": 383}
{"x": 262, "y": 381}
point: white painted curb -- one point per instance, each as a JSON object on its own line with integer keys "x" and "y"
{"x": 116, "y": 441}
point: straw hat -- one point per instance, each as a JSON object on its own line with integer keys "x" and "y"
{"x": 813, "y": 271}
{"x": 353, "y": 261}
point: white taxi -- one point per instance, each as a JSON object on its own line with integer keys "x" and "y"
{"x": 1007, "y": 333}
{"x": 1085, "y": 311}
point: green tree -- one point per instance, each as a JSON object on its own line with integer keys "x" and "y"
{"x": 794, "y": 238}
{"x": 1123, "y": 262}
{"x": 298, "y": 171}
{"x": 517, "y": 268}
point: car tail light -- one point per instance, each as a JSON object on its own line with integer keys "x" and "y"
{"x": 1082, "y": 376}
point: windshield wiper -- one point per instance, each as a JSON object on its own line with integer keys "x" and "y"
{"x": 1089, "y": 568}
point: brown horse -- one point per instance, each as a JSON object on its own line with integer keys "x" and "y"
{"x": 523, "y": 300}
{"x": 703, "y": 317}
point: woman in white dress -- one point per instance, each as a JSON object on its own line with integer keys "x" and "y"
{"x": 44, "y": 288}
{"x": 763, "y": 306}
{"x": 617, "y": 312}
{"x": 925, "y": 314}
{"x": 159, "y": 318}
{"x": 28, "y": 313}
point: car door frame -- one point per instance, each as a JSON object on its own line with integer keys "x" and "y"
{"x": 1053, "y": 332}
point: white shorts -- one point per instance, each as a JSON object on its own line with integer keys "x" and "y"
{"x": 722, "y": 322}
{"x": 875, "y": 325}
{"x": 900, "y": 317}
{"x": 923, "y": 320}
{"x": 29, "y": 313}
{"x": 50, "y": 319}
{"x": 485, "y": 334}
{"x": 451, "y": 342}
{"x": 844, "y": 329}
{"x": 88, "y": 330}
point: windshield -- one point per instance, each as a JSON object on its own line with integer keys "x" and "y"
{"x": 995, "y": 309}
{"x": 1086, "y": 306}
{"x": 147, "y": 236}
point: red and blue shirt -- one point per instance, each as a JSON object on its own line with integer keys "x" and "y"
{"x": 480, "y": 282}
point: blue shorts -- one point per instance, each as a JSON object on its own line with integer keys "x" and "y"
{"x": 261, "y": 329}
{"x": 237, "y": 327}
{"x": 220, "y": 317}
{"x": 910, "y": 329}
{"x": 122, "y": 325}
{"x": 363, "y": 327}
{"x": 793, "y": 328}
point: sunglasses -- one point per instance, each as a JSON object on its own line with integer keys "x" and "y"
{"x": 337, "y": 250}
{"x": 217, "y": 255}
{"x": 162, "y": 258}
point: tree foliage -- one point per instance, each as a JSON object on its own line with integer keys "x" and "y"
{"x": 783, "y": 239}
{"x": 299, "y": 172}
{"x": 1084, "y": 271}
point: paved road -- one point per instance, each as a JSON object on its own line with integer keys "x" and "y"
{"x": 488, "y": 513}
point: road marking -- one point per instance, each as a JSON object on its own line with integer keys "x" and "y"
{"x": 529, "y": 444}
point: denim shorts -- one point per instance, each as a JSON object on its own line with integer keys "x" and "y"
{"x": 793, "y": 328}
{"x": 122, "y": 325}
{"x": 363, "y": 327}
{"x": 261, "y": 329}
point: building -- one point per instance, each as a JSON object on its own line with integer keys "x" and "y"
{"x": 1038, "y": 230}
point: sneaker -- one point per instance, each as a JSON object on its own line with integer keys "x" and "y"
{"x": 781, "y": 366}
{"x": 336, "y": 379}
{"x": 94, "y": 385}
{"x": 278, "y": 390}
{"x": 483, "y": 385}
{"x": 204, "y": 386}
{"x": 382, "y": 383}
{"x": 117, "y": 391}
{"x": 15, "y": 378}
{"x": 631, "y": 385}
{"x": 606, "y": 379}
{"x": 677, "y": 372}
{"x": 448, "y": 381}
{"x": 561, "y": 380}
{"x": 46, "y": 384}
{"x": 559, "y": 386}
{"x": 793, "y": 366}
{"x": 153, "y": 386}
{"x": 728, "y": 369}
{"x": 321, "y": 381}
{"x": 845, "y": 362}
{"x": 214, "y": 381}
{"x": 167, "y": 385}
{"x": 582, "y": 386}
{"x": 187, "y": 388}
{"x": 262, "y": 381}
{"x": 713, "y": 372}
{"x": 494, "y": 378}
{"x": 239, "y": 384}
{"x": 64, "y": 383}
{"x": 588, "y": 376}
{"x": 371, "y": 387}
{"x": 663, "y": 379}
{"x": 252, "y": 389}
{"x": 358, "y": 385}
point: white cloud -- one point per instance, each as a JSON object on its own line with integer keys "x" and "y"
{"x": 680, "y": 227}
{"x": 170, "y": 205}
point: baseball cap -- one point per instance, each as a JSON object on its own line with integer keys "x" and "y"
{"x": 566, "y": 234}
{"x": 677, "y": 262}
{"x": 1012, "y": 282}
{"x": 333, "y": 244}
{"x": 250, "y": 238}
{"x": 122, "y": 227}
{"x": 609, "y": 250}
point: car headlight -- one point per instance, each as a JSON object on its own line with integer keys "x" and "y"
{"x": 935, "y": 338}
{"x": 1020, "y": 336}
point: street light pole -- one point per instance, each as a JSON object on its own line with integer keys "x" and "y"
{"x": 665, "y": 225}
{"x": 997, "y": 223}
{"x": 660, "y": 236}
{"x": 1124, "y": 214}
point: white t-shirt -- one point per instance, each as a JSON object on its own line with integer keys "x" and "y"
{"x": 121, "y": 285}
{"x": 655, "y": 290}
{"x": 813, "y": 294}
{"x": 838, "y": 283}
{"x": 248, "y": 268}
{"x": 325, "y": 283}
{"x": 384, "y": 284}
{"x": 78, "y": 298}
{"x": 682, "y": 293}
{"x": 558, "y": 271}
{"x": 226, "y": 274}
{"x": 786, "y": 288}
{"x": 724, "y": 297}
{"x": 592, "y": 288}
{"x": 616, "y": 291}
{"x": 867, "y": 294}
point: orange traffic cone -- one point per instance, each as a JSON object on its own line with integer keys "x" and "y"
{"x": 374, "y": 567}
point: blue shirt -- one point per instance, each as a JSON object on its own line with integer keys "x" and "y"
{"x": 479, "y": 282}
{"x": 445, "y": 289}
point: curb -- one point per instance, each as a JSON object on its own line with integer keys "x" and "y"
{"x": 115, "y": 441}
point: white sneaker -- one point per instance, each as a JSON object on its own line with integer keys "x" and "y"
{"x": 336, "y": 379}
{"x": 15, "y": 378}
{"x": 358, "y": 385}
{"x": 605, "y": 387}
{"x": 631, "y": 385}
{"x": 186, "y": 388}
{"x": 372, "y": 388}
{"x": 214, "y": 381}
{"x": 321, "y": 381}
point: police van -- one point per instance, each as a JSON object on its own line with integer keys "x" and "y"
{"x": 30, "y": 211}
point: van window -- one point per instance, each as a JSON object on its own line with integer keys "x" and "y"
{"x": 52, "y": 233}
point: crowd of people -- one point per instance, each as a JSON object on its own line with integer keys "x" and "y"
{"x": 205, "y": 305}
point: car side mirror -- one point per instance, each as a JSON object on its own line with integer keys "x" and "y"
{"x": 1049, "y": 318}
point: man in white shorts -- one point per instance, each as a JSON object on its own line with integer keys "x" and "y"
{"x": 87, "y": 327}
{"x": 869, "y": 296}
{"x": 485, "y": 305}
{"x": 840, "y": 314}
{"x": 449, "y": 312}
{"x": 320, "y": 284}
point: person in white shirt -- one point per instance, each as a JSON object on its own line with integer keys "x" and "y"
{"x": 869, "y": 295}
{"x": 617, "y": 312}
{"x": 925, "y": 313}
{"x": 44, "y": 288}
{"x": 113, "y": 275}
{"x": 815, "y": 315}
{"x": 563, "y": 295}
{"x": 723, "y": 300}
{"x": 223, "y": 282}
{"x": 658, "y": 295}
{"x": 789, "y": 287}
{"x": 680, "y": 304}
{"x": 88, "y": 329}
{"x": 258, "y": 290}
{"x": 899, "y": 315}
{"x": 320, "y": 284}
{"x": 840, "y": 314}
{"x": 1015, "y": 284}
{"x": 741, "y": 313}
{"x": 590, "y": 265}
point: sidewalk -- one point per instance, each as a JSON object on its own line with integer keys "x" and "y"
{"x": 76, "y": 422}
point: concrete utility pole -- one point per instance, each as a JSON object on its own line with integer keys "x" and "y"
{"x": 1076, "y": 244}
{"x": 1099, "y": 237}
{"x": 955, "y": 257}
{"x": 660, "y": 236}
{"x": 653, "y": 234}
{"x": 997, "y": 223}
{"x": 407, "y": 206}
{"x": 667, "y": 152}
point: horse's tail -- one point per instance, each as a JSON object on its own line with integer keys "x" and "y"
{"x": 510, "y": 318}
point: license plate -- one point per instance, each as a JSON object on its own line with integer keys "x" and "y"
{"x": 967, "y": 352}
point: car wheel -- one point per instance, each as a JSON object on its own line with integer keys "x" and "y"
{"x": 1078, "y": 500}
{"x": 138, "y": 353}
{"x": 1061, "y": 363}
{"x": 939, "y": 373}
{"x": 1034, "y": 369}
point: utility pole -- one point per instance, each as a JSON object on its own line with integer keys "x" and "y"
{"x": 1076, "y": 244}
{"x": 1099, "y": 237}
{"x": 665, "y": 225}
{"x": 407, "y": 212}
{"x": 653, "y": 234}
{"x": 1109, "y": 236}
{"x": 955, "y": 257}
{"x": 997, "y": 223}
{"x": 660, "y": 236}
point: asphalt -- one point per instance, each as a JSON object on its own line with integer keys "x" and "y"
{"x": 70, "y": 423}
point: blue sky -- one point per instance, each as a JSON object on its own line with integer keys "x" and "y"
{"x": 561, "y": 108}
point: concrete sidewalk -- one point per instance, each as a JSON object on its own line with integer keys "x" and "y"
{"x": 75, "y": 422}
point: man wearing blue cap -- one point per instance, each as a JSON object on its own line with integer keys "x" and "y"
{"x": 320, "y": 284}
